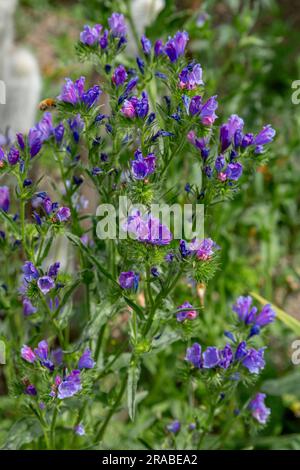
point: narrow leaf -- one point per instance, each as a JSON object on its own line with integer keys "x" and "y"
{"x": 133, "y": 378}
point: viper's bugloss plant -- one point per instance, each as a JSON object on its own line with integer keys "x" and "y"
{"x": 79, "y": 337}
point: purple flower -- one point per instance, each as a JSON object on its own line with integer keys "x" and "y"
{"x": 247, "y": 140}
{"x": 86, "y": 360}
{"x": 53, "y": 269}
{"x": 207, "y": 114}
{"x": 258, "y": 408}
{"x": 76, "y": 126}
{"x": 146, "y": 45}
{"x": 158, "y": 47}
{"x": 186, "y": 314}
{"x": 191, "y": 77}
{"x": 73, "y": 93}
{"x": 234, "y": 171}
{"x": 193, "y": 355}
{"x": 59, "y": 133}
{"x": 30, "y": 390}
{"x": 47, "y": 205}
{"x": 104, "y": 40}
{"x": 195, "y": 105}
{"x": 27, "y": 354}
{"x": 90, "y": 35}
{"x": 91, "y": 96}
{"x": 44, "y": 127}
{"x": 4, "y": 198}
{"x": 183, "y": 248}
{"x": 254, "y": 360}
{"x": 204, "y": 249}
{"x": 175, "y": 46}
{"x": 63, "y": 214}
{"x": 13, "y": 156}
{"x": 231, "y": 131}
{"x": 142, "y": 106}
{"x": 211, "y": 357}
{"x": 42, "y": 351}
{"x": 243, "y": 308}
{"x": 70, "y": 385}
{"x": 30, "y": 272}
{"x": 21, "y": 141}
{"x": 79, "y": 430}
{"x": 265, "y": 136}
{"x": 120, "y": 75}
{"x": 45, "y": 284}
{"x": 148, "y": 229}
{"x": 28, "y": 308}
{"x": 174, "y": 427}
{"x": 141, "y": 167}
{"x": 266, "y": 316}
{"x": 34, "y": 141}
{"x": 128, "y": 109}
{"x": 241, "y": 351}
{"x": 129, "y": 280}
{"x": 117, "y": 25}
{"x": 248, "y": 314}
{"x": 57, "y": 356}
{"x": 220, "y": 163}
{"x": 226, "y": 357}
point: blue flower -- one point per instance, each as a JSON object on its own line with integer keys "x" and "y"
{"x": 211, "y": 357}
{"x": 120, "y": 75}
{"x": 30, "y": 272}
{"x": 129, "y": 280}
{"x": 258, "y": 408}
{"x": 4, "y": 198}
{"x": 174, "y": 427}
{"x": 86, "y": 361}
{"x": 117, "y": 25}
{"x": 79, "y": 430}
{"x": 28, "y": 308}
{"x": 191, "y": 77}
{"x": 70, "y": 385}
{"x": 146, "y": 45}
{"x": 175, "y": 46}
{"x": 90, "y": 36}
{"x": 45, "y": 284}
{"x": 142, "y": 167}
{"x": 193, "y": 355}
{"x": 254, "y": 360}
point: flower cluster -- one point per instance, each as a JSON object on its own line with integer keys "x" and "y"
{"x": 63, "y": 387}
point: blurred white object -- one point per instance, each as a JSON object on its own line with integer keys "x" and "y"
{"x": 143, "y": 13}
{"x": 20, "y": 73}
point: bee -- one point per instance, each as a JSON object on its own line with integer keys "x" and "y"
{"x": 47, "y": 104}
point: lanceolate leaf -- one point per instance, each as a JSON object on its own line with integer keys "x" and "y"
{"x": 133, "y": 378}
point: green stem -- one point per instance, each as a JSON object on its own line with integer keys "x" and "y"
{"x": 52, "y": 429}
{"x": 99, "y": 342}
{"x": 101, "y": 432}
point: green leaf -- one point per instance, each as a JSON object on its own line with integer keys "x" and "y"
{"x": 22, "y": 432}
{"x": 286, "y": 385}
{"x": 133, "y": 378}
{"x": 288, "y": 320}
{"x": 7, "y": 218}
{"x": 66, "y": 297}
